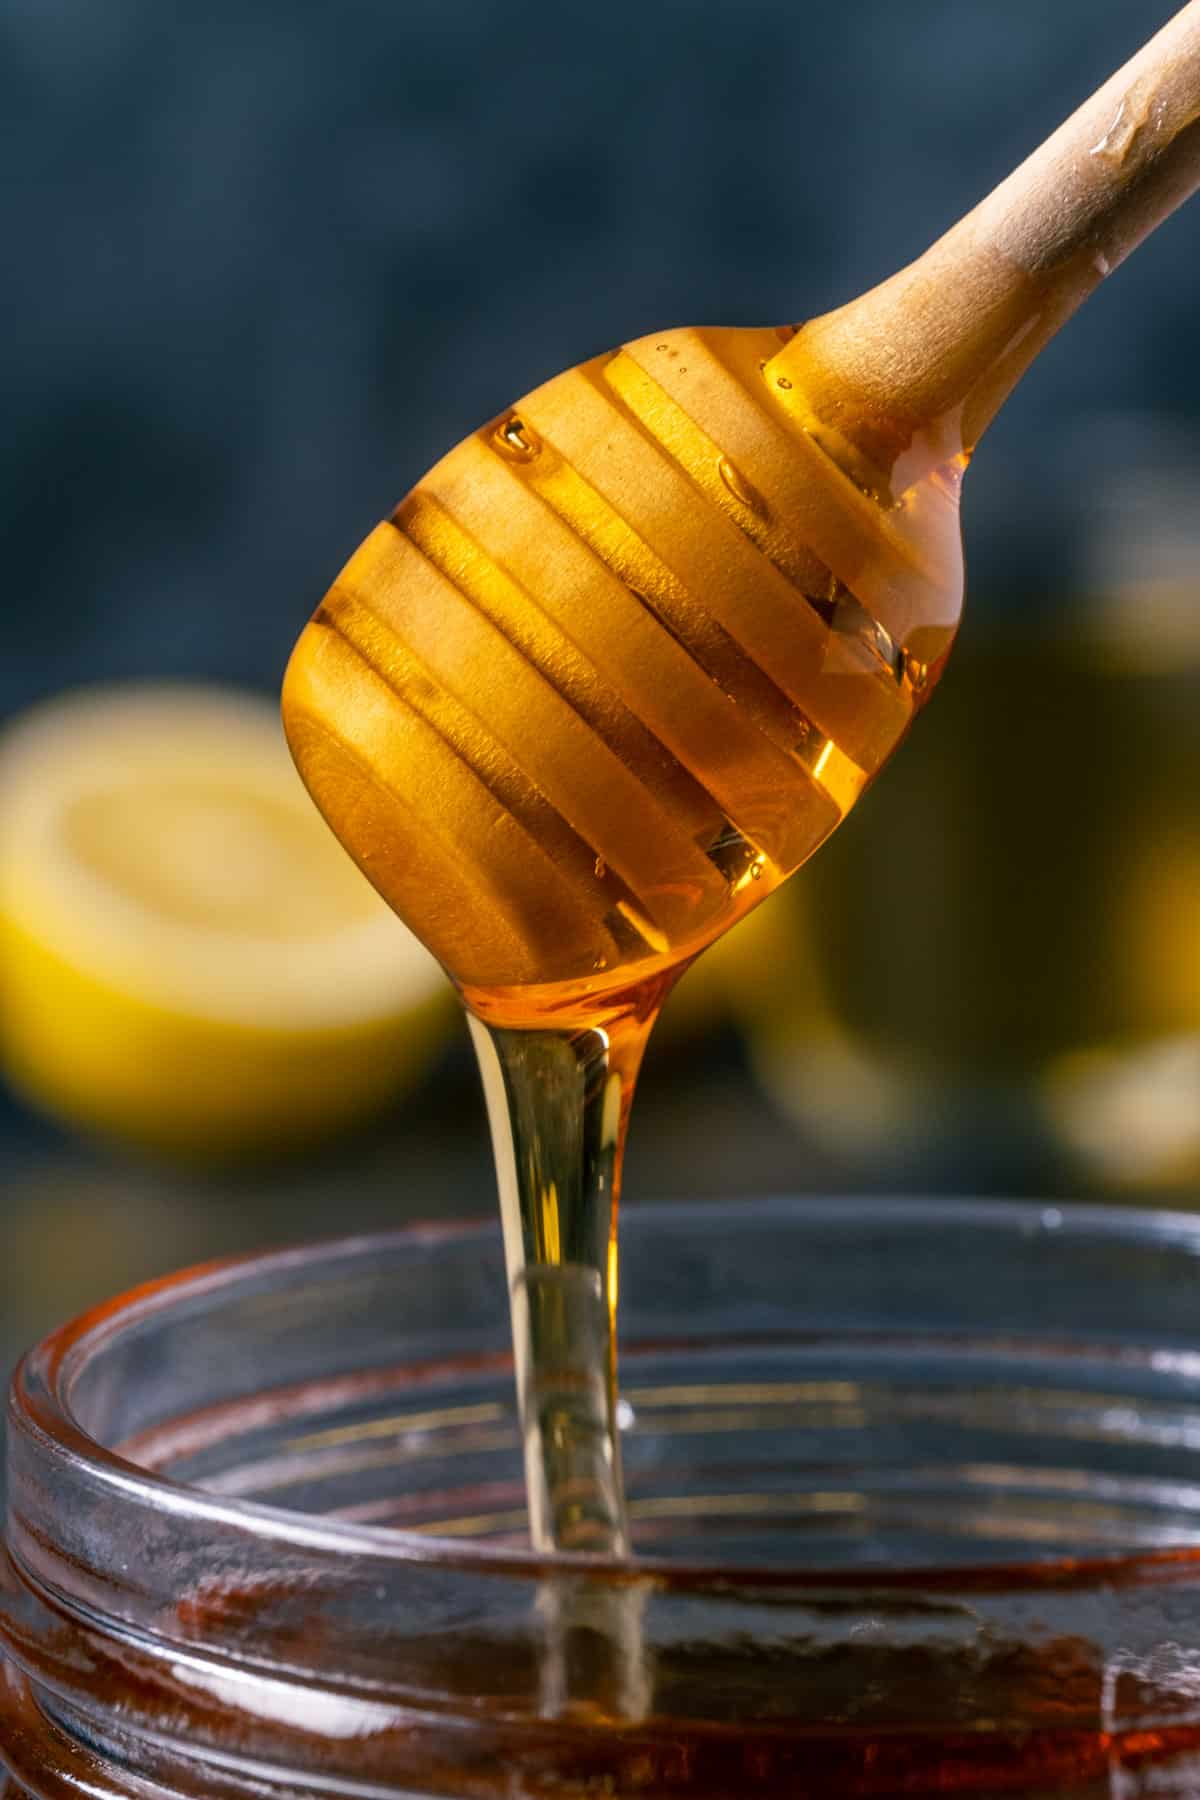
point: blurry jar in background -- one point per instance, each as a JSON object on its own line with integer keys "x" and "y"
{"x": 1007, "y": 938}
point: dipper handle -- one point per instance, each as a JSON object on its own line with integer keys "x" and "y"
{"x": 930, "y": 355}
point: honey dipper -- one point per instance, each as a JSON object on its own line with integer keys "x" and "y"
{"x": 620, "y": 661}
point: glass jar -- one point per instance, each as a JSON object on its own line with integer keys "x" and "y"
{"x": 915, "y": 1491}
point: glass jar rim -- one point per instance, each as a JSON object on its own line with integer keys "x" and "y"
{"x": 41, "y": 1404}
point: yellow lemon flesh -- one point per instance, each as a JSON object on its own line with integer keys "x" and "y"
{"x": 187, "y": 957}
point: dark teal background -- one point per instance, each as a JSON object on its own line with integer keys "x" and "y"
{"x": 265, "y": 261}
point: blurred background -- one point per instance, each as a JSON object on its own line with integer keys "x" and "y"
{"x": 266, "y": 262}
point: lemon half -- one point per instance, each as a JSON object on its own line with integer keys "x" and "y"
{"x": 188, "y": 959}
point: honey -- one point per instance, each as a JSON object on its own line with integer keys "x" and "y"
{"x": 627, "y": 655}
{"x": 616, "y": 667}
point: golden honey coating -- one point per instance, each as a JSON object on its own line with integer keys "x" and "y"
{"x": 618, "y": 665}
